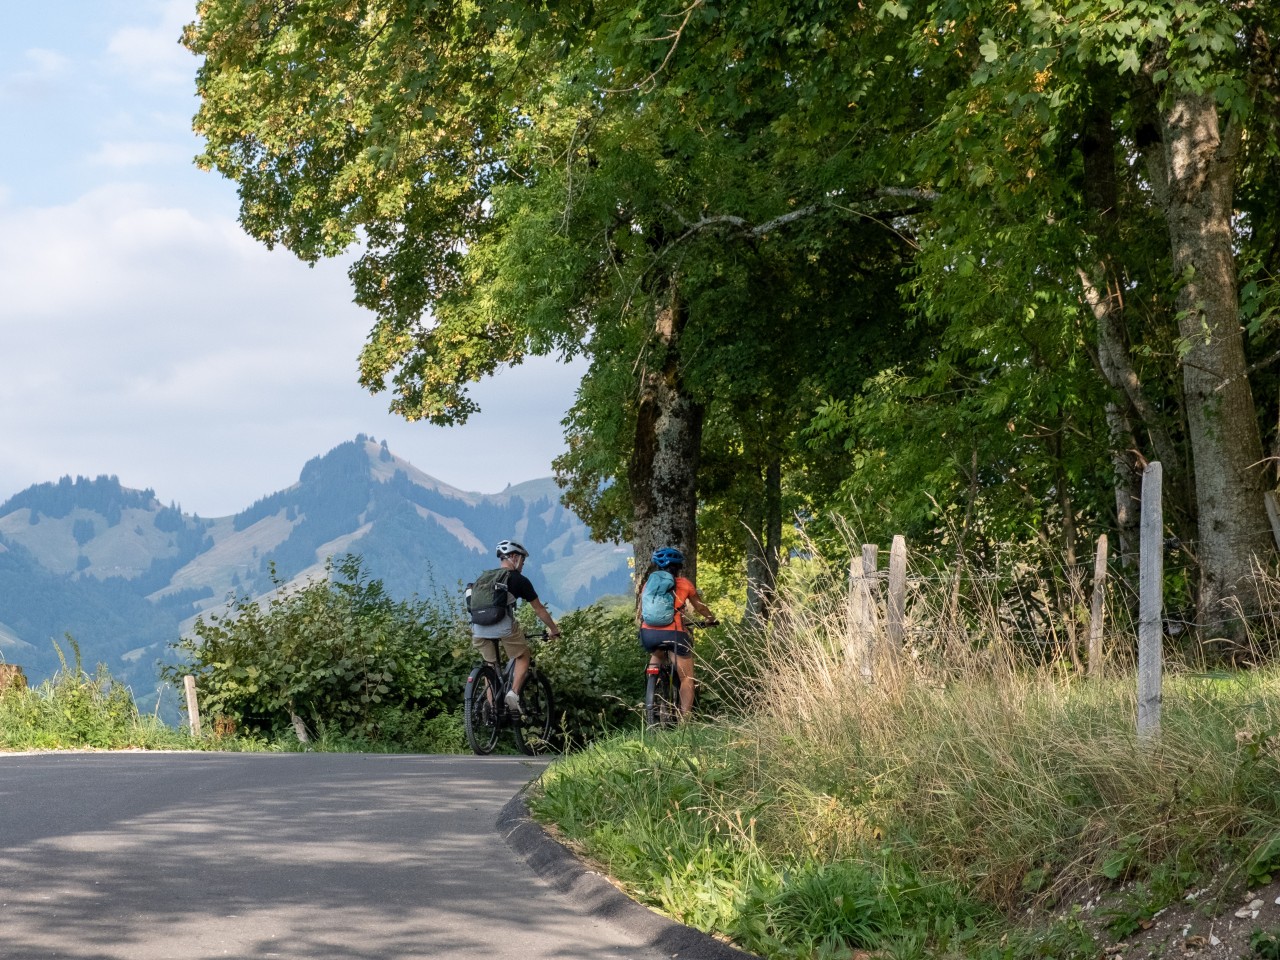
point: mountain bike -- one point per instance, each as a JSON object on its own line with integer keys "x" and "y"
{"x": 662, "y": 686}
{"x": 485, "y": 713}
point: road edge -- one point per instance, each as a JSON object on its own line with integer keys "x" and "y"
{"x": 567, "y": 874}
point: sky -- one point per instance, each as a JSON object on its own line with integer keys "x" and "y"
{"x": 144, "y": 335}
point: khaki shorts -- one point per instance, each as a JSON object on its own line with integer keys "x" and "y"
{"x": 514, "y": 644}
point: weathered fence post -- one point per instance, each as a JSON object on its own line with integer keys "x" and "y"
{"x": 859, "y": 646}
{"x": 868, "y": 595}
{"x": 12, "y": 677}
{"x": 1098, "y": 609}
{"x": 896, "y": 604}
{"x": 852, "y": 643}
{"x": 1150, "y": 603}
{"x": 193, "y": 707}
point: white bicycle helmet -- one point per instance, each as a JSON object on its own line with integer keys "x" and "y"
{"x": 507, "y": 547}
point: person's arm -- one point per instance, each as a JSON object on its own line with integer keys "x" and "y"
{"x": 703, "y": 610}
{"x": 544, "y": 615}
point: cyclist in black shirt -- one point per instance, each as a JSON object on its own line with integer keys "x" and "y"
{"x": 508, "y": 630}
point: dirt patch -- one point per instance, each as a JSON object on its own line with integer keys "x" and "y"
{"x": 1198, "y": 926}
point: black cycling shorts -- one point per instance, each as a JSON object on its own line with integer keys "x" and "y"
{"x": 676, "y": 640}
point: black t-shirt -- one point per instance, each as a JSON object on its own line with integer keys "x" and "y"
{"x": 518, "y": 586}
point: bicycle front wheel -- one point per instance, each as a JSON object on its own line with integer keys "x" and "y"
{"x": 661, "y": 698}
{"x": 482, "y": 709}
{"x": 535, "y": 731}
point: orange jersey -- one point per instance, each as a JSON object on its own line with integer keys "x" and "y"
{"x": 684, "y": 590}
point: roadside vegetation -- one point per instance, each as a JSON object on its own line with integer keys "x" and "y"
{"x": 976, "y": 795}
{"x": 77, "y": 709}
{"x": 339, "y": 664}
{"x": 978, "y": 798}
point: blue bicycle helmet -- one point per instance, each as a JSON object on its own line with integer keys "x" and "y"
{"x": 667, "y": 557}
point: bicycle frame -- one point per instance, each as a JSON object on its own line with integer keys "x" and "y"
{"x": 486, "y": 713}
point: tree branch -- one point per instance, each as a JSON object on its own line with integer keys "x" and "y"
{"x": 755, "y": 230}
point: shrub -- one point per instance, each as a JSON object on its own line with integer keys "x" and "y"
{"x": 596, "y": 669}
{"x": 352, "y": 663}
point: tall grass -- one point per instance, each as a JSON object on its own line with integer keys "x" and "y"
{"x": 77, "y": 709}
{"x": 976, "y": 776}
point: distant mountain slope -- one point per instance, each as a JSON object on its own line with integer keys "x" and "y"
{"x": 125, "y": 575}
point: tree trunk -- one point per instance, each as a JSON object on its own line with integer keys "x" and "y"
{"x": 1194, "y": 177}
{"x": 1104, "y": 295}
{"x": 664, "y": 461}
{"x": 764, "y": 545}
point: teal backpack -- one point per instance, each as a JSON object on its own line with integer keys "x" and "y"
{"x": 658, "y": 601}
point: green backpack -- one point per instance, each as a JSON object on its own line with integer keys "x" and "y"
{"x": 487, "y": 598}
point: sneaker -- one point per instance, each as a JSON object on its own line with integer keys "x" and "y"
{"x": 513, "y": 702}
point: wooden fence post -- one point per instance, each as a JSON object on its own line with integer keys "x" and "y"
{"x": 852, "y": 643}
{"x": 193, "y": 707}
{"x": 896, "y": 604}
{"x": 1098, "y": 609}
{"x": 1150, "y": 603}
{"x": 867, "y": 595}
{"x": 12, "y": 677}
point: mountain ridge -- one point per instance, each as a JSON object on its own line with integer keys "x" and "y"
{"x": 126, "y": 575}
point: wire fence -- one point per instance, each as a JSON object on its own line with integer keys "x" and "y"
{"x": 1044, "y": 611}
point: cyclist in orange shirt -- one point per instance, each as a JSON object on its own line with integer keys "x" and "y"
{"x": 659, "y": 639}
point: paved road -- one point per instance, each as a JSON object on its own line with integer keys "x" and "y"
{"x": 141, "y": 856}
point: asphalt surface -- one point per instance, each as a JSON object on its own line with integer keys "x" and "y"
{"x": 319, "y": 856}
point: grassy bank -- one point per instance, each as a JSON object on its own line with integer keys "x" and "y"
{"x": 926, "y": 822}
{"x": 964, "y": 804}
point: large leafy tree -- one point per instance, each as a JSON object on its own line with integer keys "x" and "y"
{"x": 1127, "y": 121}
{"x": 918, "y": 256}
{"x": 521, "y": 183}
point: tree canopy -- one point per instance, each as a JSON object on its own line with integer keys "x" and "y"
{"x": 909, "y": 262}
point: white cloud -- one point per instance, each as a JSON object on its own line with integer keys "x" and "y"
{"x": 36, "y": 80}
{"x": 142, "y": 340}
{"x": 153, "y": 54}
{"x": 124, "y": 154}
{"x": 45, "y": 63}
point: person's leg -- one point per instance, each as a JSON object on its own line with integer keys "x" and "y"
{"x": 488, "y": 650}
{"x": 684, "y": 668}
{"x": 517, "y": 649}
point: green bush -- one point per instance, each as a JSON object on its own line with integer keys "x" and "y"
{"x": 596, "y": 669}
{"x": 357, "y": 667}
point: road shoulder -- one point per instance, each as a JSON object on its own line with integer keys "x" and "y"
{"x": 568, "y": 875}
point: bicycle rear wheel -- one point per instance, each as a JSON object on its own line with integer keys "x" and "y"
{"x": 482, "y": 709}
{"x": 661, "y": 697}
{"x": 535, "y": 731}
